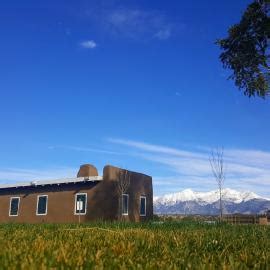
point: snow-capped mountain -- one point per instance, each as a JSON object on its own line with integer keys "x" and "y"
{"x": 207, "y": 203}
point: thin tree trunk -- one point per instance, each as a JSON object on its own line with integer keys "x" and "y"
{"x": 122, "y": 186}
{"x": 217, "y": 165}
{"x": 220, "y": 205}
{"x": 120, "y": 208}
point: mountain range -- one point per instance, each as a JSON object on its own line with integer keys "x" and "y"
{"x": 189, "y": 202}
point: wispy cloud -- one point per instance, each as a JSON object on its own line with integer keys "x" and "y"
{"x": 84, "y": 149}
{"x": 88, "y": 44}
{"x": 132, "y": 22}
{"x": 147, "y": 147}
{"x": 136, "y": 23}
{"x": 245, "y": 168}
{"x": 163, "y": 34}
{"x": 8, "y": 175}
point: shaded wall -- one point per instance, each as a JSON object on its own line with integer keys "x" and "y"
{"x": 140, "y": 185}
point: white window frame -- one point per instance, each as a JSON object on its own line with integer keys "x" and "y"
{"x": 127, "y": 195}
{"x": 75, "y": 208}
{"x": 39, "y": 196}
{"x": 143, "y": 215}
{"x": 11, "y": 198}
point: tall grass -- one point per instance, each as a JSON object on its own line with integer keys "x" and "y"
{"x": 183, "y": 245}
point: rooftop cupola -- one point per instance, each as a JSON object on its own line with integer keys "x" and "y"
{"x": 87, "y": 170}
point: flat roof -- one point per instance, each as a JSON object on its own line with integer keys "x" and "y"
{"x": 52, "y": 182}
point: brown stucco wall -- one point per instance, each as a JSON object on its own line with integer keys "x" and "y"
{"x": 87, "y": 170}
{"x": 61, "y": 203}
{"x": 140, "y": 185}
{"x": 102, "y": 200}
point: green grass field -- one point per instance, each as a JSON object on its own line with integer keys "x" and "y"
{"x": 184, "y": 245}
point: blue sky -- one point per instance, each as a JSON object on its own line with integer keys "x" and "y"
{"x": 136, "y": 84}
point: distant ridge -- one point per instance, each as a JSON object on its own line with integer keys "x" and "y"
{"x": 207, "y": 203}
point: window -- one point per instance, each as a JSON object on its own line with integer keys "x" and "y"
{"x": 142, "y": 206}
{"x": 42, "y": 202}
{"x": 14, "y": 206}
{"x": 80, "y": 203}
{"x": 125, "y": 198}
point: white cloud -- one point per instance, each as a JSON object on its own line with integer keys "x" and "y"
{"x": 88, "y": 44}
{"x": 84, "y": 149}
{"x": 132, "y": 23}
{"x": 139, "y": 24}
{"x": 245, "y": 168}
{"x": 156, "y": 148}
{"x": 9, "y": 175}
{"x": 163, "y": 33}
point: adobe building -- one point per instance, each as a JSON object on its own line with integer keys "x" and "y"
{"x": 117, "y": 195}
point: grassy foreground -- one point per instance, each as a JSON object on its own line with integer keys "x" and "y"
{"x": 184, "y": 245}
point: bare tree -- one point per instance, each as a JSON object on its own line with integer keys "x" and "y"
{"x": 187, "y": 209}
{"x": 122, "y": 187}
{"x": 217, "y": 165}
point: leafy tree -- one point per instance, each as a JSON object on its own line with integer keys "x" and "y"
{"x": 246, "y": 50}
